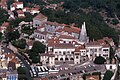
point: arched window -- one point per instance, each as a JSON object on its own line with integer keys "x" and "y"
{"x": 56, "y": 59}
{"x": 66, "y": 59}
{"x": 61, "y": 59}
{"x": 71, "y": 58}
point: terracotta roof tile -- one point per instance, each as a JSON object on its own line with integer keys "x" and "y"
{"x": 54, "y": 23}
{"x": 77, "y": 49}
{"x": 40, "y": 17}
{"x": 66, "y": 37}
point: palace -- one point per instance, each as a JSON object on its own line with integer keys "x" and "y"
{"x": 67, "y": 44}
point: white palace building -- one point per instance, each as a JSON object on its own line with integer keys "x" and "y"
{"x": 67, "y": 44}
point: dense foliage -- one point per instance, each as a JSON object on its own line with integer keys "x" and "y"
{"x": 96, "y": 27}
{"x": 3, "y": 16}
{"x": 20, "y": 43}
{"x": 37, "y": 48}
{"x": 108, "y": 74}
{"x": 12, "y": 35}
{"x": 99, "y": 60}
{"x": 21, "y": 73}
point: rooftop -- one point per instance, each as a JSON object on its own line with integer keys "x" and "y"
{"x": 40, "y": 16}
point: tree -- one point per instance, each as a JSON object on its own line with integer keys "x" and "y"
{"x": 99, "y": 60}
{"x": 21, "y": 70}
{"x": 115, "y": 21}
{"x": 12, "y": 35}
{"x": 20, "y": 43}
{"x": 9, "y": 2}
{"x": 21, "y": 73}
{"x": 3, "y": 16}
{"x": 38, "y": 47}
{"x": 1, "y": 35}
{"x": 108, "y": 75}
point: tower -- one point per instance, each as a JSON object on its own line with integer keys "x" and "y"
{"x": 83, "y": 34}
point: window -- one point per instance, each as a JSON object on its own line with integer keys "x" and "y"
{"x": 72, "y": 52}
{"x": 76, "y": 57}
{"x": 59, "y": 51}
{"x": 95, "y": 50}
{"x": 105, "y": 49}
{"x": 61, "y": 59}
{"x": 56, "y": 52}
{"x": 71, "y": 58}
{"x": 56, "y": 59}
{"x": 68, "y": 52}
{"x": 110, "y": 67}
{"x": 63, "y": 52}
{"x": 66, "y": 59}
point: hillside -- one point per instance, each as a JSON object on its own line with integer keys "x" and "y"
{"x": 101, "y": 16}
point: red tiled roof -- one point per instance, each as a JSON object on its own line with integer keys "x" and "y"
{"x": 66, "y": 37}
{"x": 5, "y": 24}
{"x": 19, "y": 3}
{"x": 40, "y": 17}
{"x": 9, "y": 55}
{"x": 36, "y": 9}
{"x": 47, "y": 54}
{"x": 30, "y": 43}
{"x": 106, "y": 45}
{"x": 59, "y": 30}
{"x": 101, "y": 41}
{"x": 93, "y": 43}
{"x": 77, "y": 49}
{"x": 107, "y": 39}
{"x": 20, "y": 12}
{"x": 54, "y": 23}
{"x": 53, "y": 40}
{"x": 71, "y": 30}
{"x": 62, "y": 45}
{"x": 15, "y": 60}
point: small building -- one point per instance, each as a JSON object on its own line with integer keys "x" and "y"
{"x": 20, "y": 13}
{"x": 39, "y": 20}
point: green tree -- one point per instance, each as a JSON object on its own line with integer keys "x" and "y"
{"x": 1, "y": 35}
{"x": 108, "y": 75}
{"x": 3, "y": 16}
{"x": 9, "y": 2}
{"x": 12, "y": 35}
{"x": 38, "y": 47}
{"x": 99, "y": 60}
{"x": 20, "y": 43}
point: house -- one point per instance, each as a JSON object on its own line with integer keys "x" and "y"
{"x": 95, "y": 49}
{"x": 34, "y": 11}
{"x": 41, "y": 36}
{"x": 12, "y": 75}
{"x": 39, "y": 20}
{"x": 16, "y": 5}
{"x": 4, "y": 26}
{"x": 20, "y": 13}
{"x": 30, "y": 44}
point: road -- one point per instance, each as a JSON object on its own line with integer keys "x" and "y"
{"x": 27, "y": 66}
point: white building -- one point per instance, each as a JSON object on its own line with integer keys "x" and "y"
{"x": 16, "y": 5}
{"x": 39, "y": 20}
{"x": 67, "y": 44}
